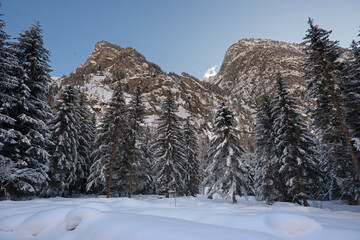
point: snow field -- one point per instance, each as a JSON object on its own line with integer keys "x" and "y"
{"x": 148, "y": 217}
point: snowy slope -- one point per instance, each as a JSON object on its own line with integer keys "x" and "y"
{"x": 192, "y": 218}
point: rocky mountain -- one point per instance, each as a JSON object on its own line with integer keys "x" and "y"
{"x": 109, "y": 63}
{"x": 249, "y": 69}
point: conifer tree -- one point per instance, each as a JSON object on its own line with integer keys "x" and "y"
{"x": 267, "y": 181}
{"x": 192, "y": 177}
{"x": 169, "y": 154}
{"x": 227, "y": 173}
{"x": 148, "y": 162}
{"x": 295, "y": 145}
{"x": 86, "y": 140}
{"x": 322, "y": 66}
{"x": 9, "y": 102}
{"x": 66, "y": 164}
{"x": 30, "y": 158}
{"x": 138, "y": 175}
{"x": 109, "y": 140}
{"x": 351, "y": 96}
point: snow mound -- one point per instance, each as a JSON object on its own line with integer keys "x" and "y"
{"x": 38, "y": 222}
{"x": 9, "y": 224}
{"x": 290, "y": 224}
{"x": 82, "y": 216}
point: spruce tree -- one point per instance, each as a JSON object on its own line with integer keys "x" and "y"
{"x": 108, "y": 147}
{"x": 267, "y": 180}
{"x": 86, "y": 137}
{"x": 295, "y": 145}
{"x": 192, "y": 177}
{"x": 138, "y": 174}
{"x": 323, "y": 68}
{"x": 9, "y": 102}
{"x": 351, "y": 96}
{"x": 227, "y": 173}
{"x": 169, "y": 154}
{"x": 148, "y": 186}
{"x": 66, "y": 165}
{"x": 30, "y": 158}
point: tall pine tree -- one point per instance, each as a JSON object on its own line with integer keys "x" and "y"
{"x": 351, "y": 95}
{"x": 192, "y": 177}
{"x": 323, "y": 68}
{"x": 86, "y": 135}
{"x": 268, "y": 183}
{"x": 169, "y": 154}
{"x": 295, "y": 145}
{"x": 30, "y": 133}
{"x": 227, "y": 173}
{"x": 9, "y": 102}
{"x": 138, "y": 174}
{"x": 108, "y": 147}
{"x": 66, "y": 168}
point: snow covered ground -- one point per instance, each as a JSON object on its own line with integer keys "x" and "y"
{"x": 148, "y": 217}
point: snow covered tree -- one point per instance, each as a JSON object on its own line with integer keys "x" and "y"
{"x": 323, "y": 69}
{"x": 295, "y": 145}
{"x": 227, "y": 173}
{"x": 192, "y": 177}
{"x": 351, "y": 96}
{"x": 66, "y": 166}
{"x": 86, "y": 135}
{"x": 169, "y": 154}
{"x": 108, "y": 144}
{"x": 139, "y": 176}
{"x": 9, "y": 101}
{"x": 30, "y": 133}
{"x": 268, "y": 183}
{"x": 147, "y": 184}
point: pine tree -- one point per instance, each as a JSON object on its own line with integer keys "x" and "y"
{"x": 30, "y": 133}
{"x": 351, "y": 96}
{"x": 295, "y": 145}
{"x": 323, "y": 69}
{"x": 66, "y": 164}
{"x": 138, "y": 174}
{"x": 169, "y": 154}
{"x": 86, "y": 140}
{"x": 108, "y": 152}
{"x": 192, "y": 177}
{"x": 147, "y": 167}
{"x": 227, "y": 173}
{"x": 9, "y": 101}
{"x": 267, "y": 181}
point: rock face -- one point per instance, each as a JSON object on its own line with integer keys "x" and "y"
{"x": 109, "y": 63}
{"x": 249, "y": 69}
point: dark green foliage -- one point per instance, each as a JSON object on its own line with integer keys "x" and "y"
{"x": 66, "y": 167}
{"x": 227, "y": 173}
{"x": 267, "y": 181}
{"x": 192, "y": 177}
{"x": 295, "y": 147}
{"x": 109, "y": 137}
{"x": 169, "y": 154}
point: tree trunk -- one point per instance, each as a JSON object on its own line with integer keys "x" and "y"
{"x": 345, "y": 130}
{"x": 167, "y": 182}
{"x": 131, "y": 169}
{"x": 283, "y": 188}
{"x": 111, "y": 164}
{"x": 234, "y": 198}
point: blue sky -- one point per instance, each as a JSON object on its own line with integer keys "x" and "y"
{"x": 180, "y": 36}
